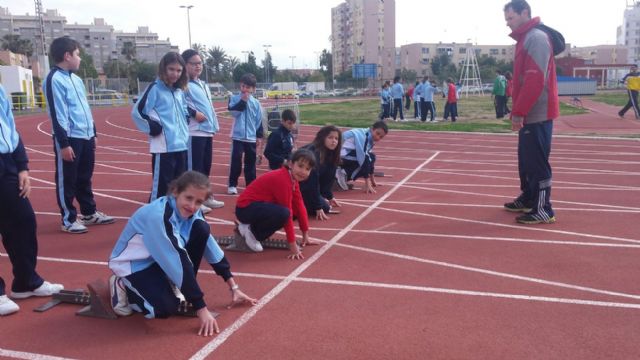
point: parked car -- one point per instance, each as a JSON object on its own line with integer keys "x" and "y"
{"x": 105, "y": 97}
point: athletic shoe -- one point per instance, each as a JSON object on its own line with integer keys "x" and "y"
{"x": 249, "y": 238}
{"x": 341, "y": 179}
{"x": 98, "y": 218}
{"x": 531, "y": 218}
{"x": 212, "y": 203}
{"x": 119, "y": 299}
{"x": 231, "y": 190}
{"x": 516, "y": 206}
{"x": 46, "y": 289}
{"x": 75, "y": 228}
{"x": 205, "y": 209}
{"x": 7, "y": 306}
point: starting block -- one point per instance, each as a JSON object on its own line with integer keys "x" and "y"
{"x": 97, "y": 304}
{"x": 236, "y": 242}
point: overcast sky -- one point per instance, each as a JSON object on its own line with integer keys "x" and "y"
{"x": 301, "y": 28}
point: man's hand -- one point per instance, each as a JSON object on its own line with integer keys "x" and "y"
{"x": 517, "y": 122}
{"x": 68, "y": 154}
{"x": 200, "y": 117}
{"x": 24, "y": 184}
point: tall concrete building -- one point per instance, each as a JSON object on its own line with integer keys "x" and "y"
{"x": 364, "y": 32}
{"x": 629, "y": 33}
{"x": 99, "y": 39}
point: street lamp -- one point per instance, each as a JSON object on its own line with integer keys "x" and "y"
{"x": 292, "y": 57}
{"x": 267, "y": 66}
{"x": 188, "y": 7}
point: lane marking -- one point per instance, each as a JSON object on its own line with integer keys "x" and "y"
{"x": 29, "y": 356}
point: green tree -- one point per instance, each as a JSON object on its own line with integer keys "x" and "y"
{"x": 267, "y": 64}
{"x": 145, "y": 71}
{"x": 17, "y": 45}
{"x": 249, "y": 67}
{"x": 216, "y": 60}
{"x": 115, "y": 69}
{"x": 228, "y": 67}
{"x": 442, "y": 67}
{"x": 87, "y": 69}
{"x": 326, "y": 64}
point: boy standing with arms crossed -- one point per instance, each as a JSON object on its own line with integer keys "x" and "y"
{"x": 74, "y": 138}
{"x": 280, "y": 141}
{"x": 246, "y": 134}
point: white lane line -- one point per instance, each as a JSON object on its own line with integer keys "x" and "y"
{"x": 222, "y": 337}
{"x": 29, "y": 356}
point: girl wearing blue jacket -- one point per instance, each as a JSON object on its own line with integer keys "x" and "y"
{"x": 156, "y": 258}
{"x": 161, "y": 112}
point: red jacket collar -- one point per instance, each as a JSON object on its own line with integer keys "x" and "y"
{"x": 519, "y": 33}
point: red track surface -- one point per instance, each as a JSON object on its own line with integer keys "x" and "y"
{"x": 429, "y": 267}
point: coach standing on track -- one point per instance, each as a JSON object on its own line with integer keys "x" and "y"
{"x": 535, "y": 105}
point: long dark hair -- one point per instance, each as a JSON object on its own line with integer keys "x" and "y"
{"x": 170, "y": 58}
{"x": 326, "y": 155}
{"x": 190, "y": 178}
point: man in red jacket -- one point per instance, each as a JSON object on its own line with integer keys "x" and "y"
{"x": 535, "y": 105}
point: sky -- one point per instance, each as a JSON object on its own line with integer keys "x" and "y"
{"x": 301, "y": 28}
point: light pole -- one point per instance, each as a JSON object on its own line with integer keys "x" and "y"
{"x": 246, "y": 55}
{"x": 188, "y": 7}
{"x": 267, "y": 66}
{"x": 317, "y": 59}
{"x": 292, "y": 57}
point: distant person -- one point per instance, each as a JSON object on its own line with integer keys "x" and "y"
{"x": 272, "y": 201}
{"x": 451, "y": 106}
{"x": 280, "y": 141}
{"x": 74, "y": 138}
{"x": 385, "y": 101}
{"x": 632, "y": 79}
{"x": 508, "y": 91}
{"x": 417, "y": 100}
{"x": 17, "y": 219}
{"x": 535, "y": 105}
{"x": 161, "y": 112}
{"x": 397, "y": 92}
{"x": 408, "y": 95}
{"x": 246, "y": 133}
{"x": 499, "y": 94}
{"x": 358, "y": 159}
{"x": 203, "y": 122}
{"x": 428, "y": 105}
{"x": 156, "y": 259}
{"x": 316, "y": 189}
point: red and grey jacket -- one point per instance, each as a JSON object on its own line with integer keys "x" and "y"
{"x": 535, "y": 88}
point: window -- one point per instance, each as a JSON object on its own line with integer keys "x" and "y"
{"x": 493, "y": 52}
{"x": 462, "y": 50}
{"x": 425, "y": 50}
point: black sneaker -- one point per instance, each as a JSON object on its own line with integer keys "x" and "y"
{"x": 531, "y": 218}
{"x": 516, "y": 206}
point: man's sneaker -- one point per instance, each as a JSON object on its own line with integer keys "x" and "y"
{"x": 98, "y": 218}
{"x": 205, "y": 209}
{"x": 516, "y": 206}
{"x": 46, "y": 289}
{"x": 212, "y": 203}
{"x": 75, "y": 227}
{"x": 119, "y": 299}
{"x": 531, "y": 218}
{"x": 7, "y": 306}
{"x": 231, "y": 190}
{"x": 249, "y": 238}
{"x": 341, "y": 179}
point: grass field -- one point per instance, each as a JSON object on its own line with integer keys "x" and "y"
{"x": 476, "y": 114}
{"x": 617, "y": 97}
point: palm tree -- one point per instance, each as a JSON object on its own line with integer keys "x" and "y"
{"x": 231, "y": 63}
{"x": 200, "y": 48}
{"x": 129, "y": 50}
{"x": 216, "y": 59}
{"x": 16, "y": 45}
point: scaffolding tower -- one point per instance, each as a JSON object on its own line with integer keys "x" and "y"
{"x": 41, "y": 46}
{"x": 470, "y": 75}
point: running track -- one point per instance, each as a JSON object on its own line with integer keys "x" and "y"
{"x": 430, "y": 267}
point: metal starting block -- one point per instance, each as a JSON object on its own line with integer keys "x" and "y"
{"x": 236, "y": 242}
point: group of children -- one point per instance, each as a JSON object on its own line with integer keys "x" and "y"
{"x": 422, "y": 94}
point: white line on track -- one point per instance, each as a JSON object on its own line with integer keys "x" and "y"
{"x": 29, "y": 356}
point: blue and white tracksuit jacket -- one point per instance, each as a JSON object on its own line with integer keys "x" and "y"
{"x": 156, "y": 233}
{"x": 198, "y": 98}
{"x": 359, "y": 137}
{"x": 10, "y": 142}
{"x": 68, "y": 107}
{"x": 162, "y": 113}
{"x": 247, "y": 119}
{"x": 397, "y": 91}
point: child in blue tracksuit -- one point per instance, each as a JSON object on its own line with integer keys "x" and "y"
{"x": 246, "y": 134}
{"x": 357, "y": 158}
{"x": 203, "y": 122}
{"x": 74, "y": 138}
{"x": 397, "y": 92}
{"x": 157, "y": 256}
{"x": 17, "y": 219}
{"x": 428, "y": 105}
{"x": 280, "y": 141}
{"x": 162, "y": 113}
{"x": 385, "y": 101}
{"x": 417, "y": 98}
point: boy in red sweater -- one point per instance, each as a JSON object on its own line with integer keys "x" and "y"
{"x": 271, "y": 201}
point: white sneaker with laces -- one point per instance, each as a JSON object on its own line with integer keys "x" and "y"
{"x": 213, "y": 203}
{"x": 99, "y": 218}
{"x": 231, "y": 190}
{"x": 7, "y": 306}
{"x": 46, "y": 289}
{"x": 205, "y": 209}
{"x": 75, "y": 228}
{"x": 341, "y": 178}
{"x": 249, "y": 238}
{"x": 119, "y": 299}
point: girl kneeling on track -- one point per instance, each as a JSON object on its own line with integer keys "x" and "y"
{"x": 271, "y": 201}
{"x": 156, "y": 259}
{"x": 316, "y": 190}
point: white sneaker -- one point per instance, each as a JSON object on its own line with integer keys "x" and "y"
{"x": 99, "y": 218}
{"x": 7, "y": 306}
{"x": 213, "y": 203}
{"x": 205, "y": 209}
{"x": 46, "y": 289}
{"x": 341, "y": 178}
{"x": 119, "y": 299}
{"x": 249, "y": 238}
{"x": 231, "y": 190}
{"x": 75, "y": 228}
